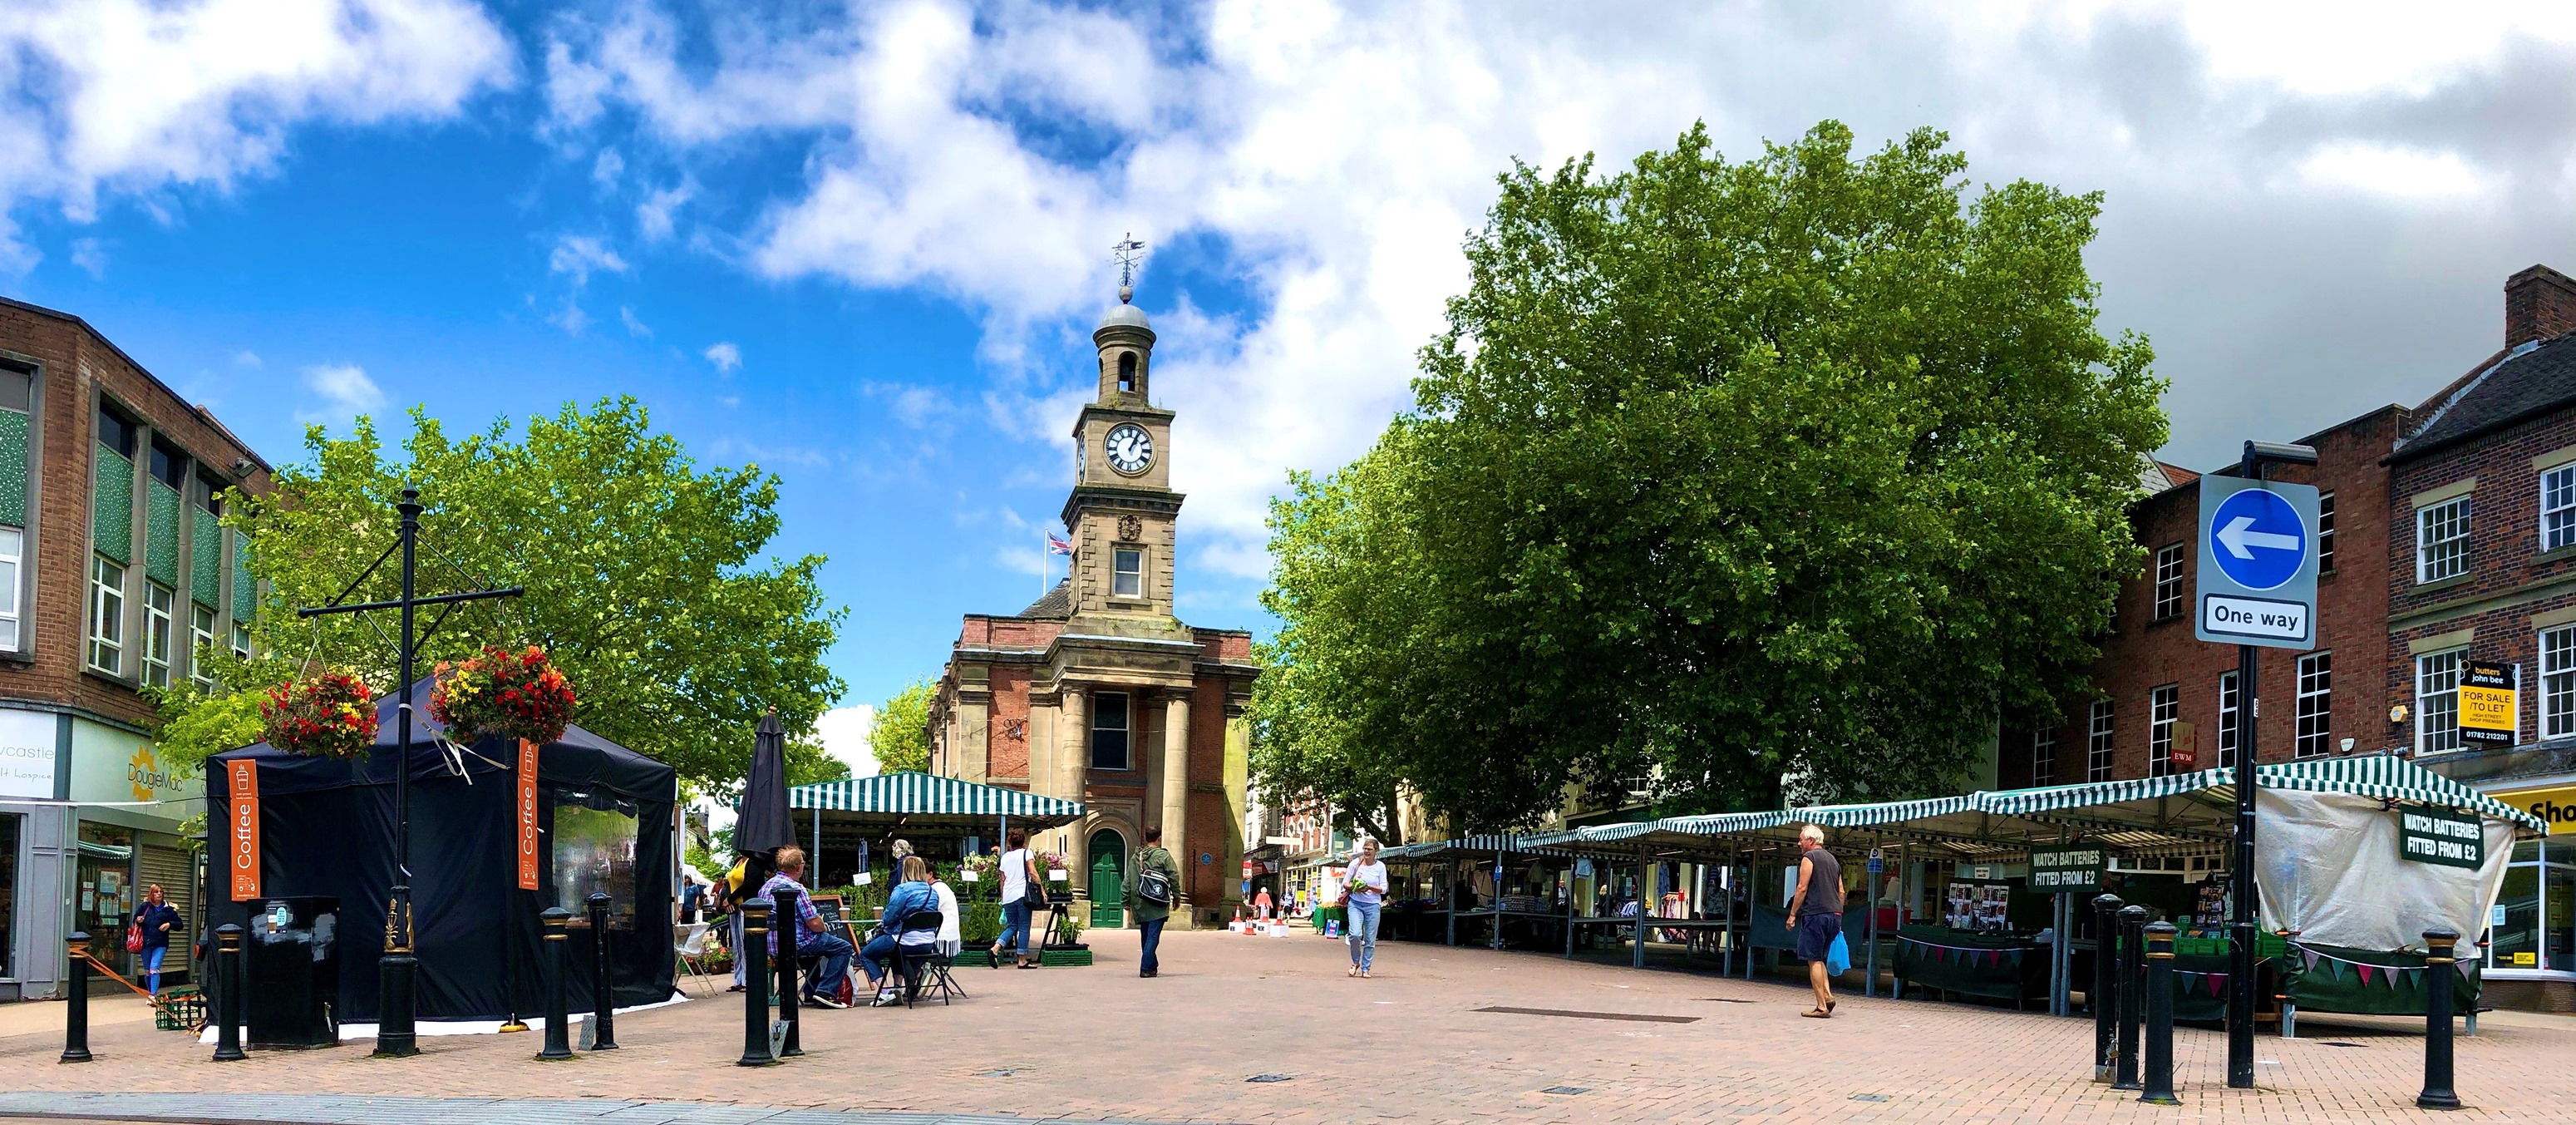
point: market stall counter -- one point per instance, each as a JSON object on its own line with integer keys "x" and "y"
{"x": 1998, "y": 966}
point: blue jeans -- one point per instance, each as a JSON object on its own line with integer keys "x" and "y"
{"x": 1015, "y": 924}
{"x": 1150, "y": 930}
{"x": 873, "y": 957}
{"x": 1362, "y": 933}
{"x": 836, "y": 963}
{"x": 152, "y": 955}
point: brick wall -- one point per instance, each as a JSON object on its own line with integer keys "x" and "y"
{"x": 1007, "y": 740}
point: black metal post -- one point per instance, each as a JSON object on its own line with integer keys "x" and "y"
{"x": 603, "y": 1001}
{"x": 76, "y": 1012}
{"x": 2133, "y": 933}
{"x": 2439, "y": 965}
{"x": 755, "y": 984}
{"x": 2160, "y": 958}
{"x": 2240, "y": 930}
{"x": 229, "y": 1002}
{"x": 558, "y": 923}
{"x": 2104, "y": 996}
{"x": 783, "y": 913}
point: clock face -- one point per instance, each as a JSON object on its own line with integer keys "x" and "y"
{"x": 1129, "y": 447}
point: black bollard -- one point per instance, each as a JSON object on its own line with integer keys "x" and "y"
{"x": 603, "y": 1001}
{"x": 783, "y": 913}
{"x": 76, "y": 1013}
{"x": 2105, "y": 996}
{"x": 558, "y": 923}
{"x": 2160, "y": 958}
{"x": 228, "y": 993}
{"x": 755, "y": 984}
{"x": 2133, "y": 932}
{"x": 2439, "y": 964}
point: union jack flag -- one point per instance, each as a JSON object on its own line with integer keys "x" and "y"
{"x": 1058, "y": 545}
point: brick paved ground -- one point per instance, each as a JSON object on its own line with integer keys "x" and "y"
{"x": 1410, "y": 1046}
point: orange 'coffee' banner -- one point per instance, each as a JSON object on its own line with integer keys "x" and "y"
{"x": 244, "y": 850}
{"x": 527, "y": 815}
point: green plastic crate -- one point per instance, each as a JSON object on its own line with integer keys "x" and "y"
{"x": 181, "y": 1009}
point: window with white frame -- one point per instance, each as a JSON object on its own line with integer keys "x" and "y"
{"x": 201, "y": 641}
{"x": 12, "y": 546}
{"x": 2325, "y": 533}
{"x": 2437, "y": 700}
{"x": 1109, "y": 746}
{"x": 2169, "y": 582}
{"x": 2097, "y": 742}
{"x": 106, "y": 615}
{"x": 1127, "y": 573}
{"x": 157, "y": 603}
{"x": 2043, "y": 756}
{"x": 2227, "y": 718}
{"x": 2558, "y": 507}
{"x": 241, "y": 640}
{"x": 2558, "y": 682}
{"x": 2442, "y": 540}
{"x": 2316, "y": 706}
{"x": 2164, "y": 706}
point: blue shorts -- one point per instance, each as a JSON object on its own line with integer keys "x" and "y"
{"x": 1816, "y": 934}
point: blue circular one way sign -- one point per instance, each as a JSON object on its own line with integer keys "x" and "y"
{"x": 2258, "y": 539}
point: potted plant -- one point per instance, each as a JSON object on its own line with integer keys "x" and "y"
{"x": 329, "y": 714}
{"x": 516, "y": 695}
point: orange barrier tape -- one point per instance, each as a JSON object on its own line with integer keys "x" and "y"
{"x": 139, "y": 990}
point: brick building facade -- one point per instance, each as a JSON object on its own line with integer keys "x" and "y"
{"x": 114, "y": 572}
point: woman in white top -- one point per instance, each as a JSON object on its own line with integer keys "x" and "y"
{"x": 1015, "y": 899}
{"x": 950, "y": 940}
{"x": 1363, "y": 891}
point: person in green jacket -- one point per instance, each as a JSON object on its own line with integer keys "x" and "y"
{"x": 1150, "y": 894}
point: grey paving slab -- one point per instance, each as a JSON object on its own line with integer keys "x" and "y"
{"x": 336, "y": 1109}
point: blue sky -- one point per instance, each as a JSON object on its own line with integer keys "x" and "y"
{"x": 863, "y": 244}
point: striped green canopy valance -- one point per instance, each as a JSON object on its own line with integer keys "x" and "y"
{"x": 930, "y": 799}
{"x": 1467, "y": 847}
{"x": 2382, "y": 776}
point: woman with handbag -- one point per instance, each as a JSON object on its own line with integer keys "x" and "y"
{"x": 1020, "y": 885}
{"x": 149, "y": 937}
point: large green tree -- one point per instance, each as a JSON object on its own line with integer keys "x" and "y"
{"x": 1802, "y": 466}
{"x": 900, "y": 740}
{"x": 646, "y": 581}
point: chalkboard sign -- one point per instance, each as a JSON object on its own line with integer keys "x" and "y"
{"x": 835, "y": 917}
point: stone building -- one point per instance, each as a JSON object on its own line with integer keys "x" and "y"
{"x": 114, "y": 572}
{"x": 1096, "y": 692}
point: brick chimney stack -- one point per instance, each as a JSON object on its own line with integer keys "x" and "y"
{"x": 2539, "y": 304}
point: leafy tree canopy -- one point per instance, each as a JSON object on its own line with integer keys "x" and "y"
{"x": 645, "y": 576}
{"x": 901, "y": 737}
{"x": 1804, "y": 466}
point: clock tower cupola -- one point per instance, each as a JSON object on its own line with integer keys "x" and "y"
{"x": 1122, "y": 507}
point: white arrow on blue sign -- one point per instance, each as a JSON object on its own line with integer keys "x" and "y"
{"x": 2257, "y": 582}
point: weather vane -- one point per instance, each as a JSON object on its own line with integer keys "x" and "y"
{"x": 1127, "y": 254}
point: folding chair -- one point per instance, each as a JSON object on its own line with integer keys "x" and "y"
{"x": 916, "y": 948}
{"x": 941, "y": 961}
{"x": 689, "y": 941}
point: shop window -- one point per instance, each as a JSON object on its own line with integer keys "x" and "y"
{"x": 2514, "y": 931}
{"x": 2558, "y": 682}
{"x": 1127, "y": 578}
{"x": 105, "y": 874}
{"x": 157, "y": 602}
{"x": 1109, "y": 731}
{"x": 594, "y": 852}
{"x": 2043, "y": 757}
{"x": 2164, "y": 706}
{"x": 2437, "y": 701}
{"x": 2558, "y": 508}
{"x": 2227, "y": 721}
{"x": 2097, "y": 742}
{"x": 201, "y": 640}
{"x": 106, "y": 615}
{"x": 2169, "y": 582}
{"x": 2325, "y": 533}
{"x": 2316, "y": 705}
{"x": 2442, "y": 540}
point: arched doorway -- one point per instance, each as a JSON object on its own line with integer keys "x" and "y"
{"x": 1108, "y": 878}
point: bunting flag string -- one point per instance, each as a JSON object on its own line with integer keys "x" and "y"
{"x": 2334, "y": 968}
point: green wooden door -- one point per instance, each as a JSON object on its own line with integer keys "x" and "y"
{"x": 1108, "y": 879}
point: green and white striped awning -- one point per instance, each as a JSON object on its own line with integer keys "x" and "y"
{"x": 2382, "y": 776}
{"x": 1467, "y": 847}
{"x": 928, "y": 799}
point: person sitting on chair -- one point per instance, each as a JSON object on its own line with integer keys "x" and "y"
{"x": 913, "y": 894}
{"x": 813, "y": 936}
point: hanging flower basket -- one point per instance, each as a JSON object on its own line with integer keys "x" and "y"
{"x": 512, "y": 694}
{"x": 328, "y": 715}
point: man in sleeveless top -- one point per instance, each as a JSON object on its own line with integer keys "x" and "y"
{"x": 1816, "y": 914}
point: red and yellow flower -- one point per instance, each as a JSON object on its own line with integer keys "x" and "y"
{"x": 512, "y": 694}
{"x": 329, "y": 715}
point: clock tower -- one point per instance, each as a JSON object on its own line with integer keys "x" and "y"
{"x": 1122, "y": 507}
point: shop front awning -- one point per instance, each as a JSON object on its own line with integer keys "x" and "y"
{"x": 1465, "y": 847}
{"x": 931, "y": 801}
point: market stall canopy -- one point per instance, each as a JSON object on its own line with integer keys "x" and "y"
{"x": 1465, "y": 847}
{"x": 2204, "y": 803}
{"x": 921, "y": 800}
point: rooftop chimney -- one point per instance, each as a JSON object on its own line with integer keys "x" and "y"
{"x": 2539, "y": 304}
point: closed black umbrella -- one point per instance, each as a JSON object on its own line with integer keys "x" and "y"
{"x": 762, "y": 822}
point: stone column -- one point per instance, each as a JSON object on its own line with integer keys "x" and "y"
{"x": 1176, "y": 797}
{"x": 1073, "y": 763}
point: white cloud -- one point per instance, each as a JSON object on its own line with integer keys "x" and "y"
{"x": 578, "y": 256}
{"x": 344, "y": 392}
{"x": 570, "y": 318}
{"x": 725, "y": 356}
{"x": 844, "y": 734}
{"x": 90, "y": 257}
{"x": 605, "y": 170}
{"x": 101, "y": 98}
{"x": 653, "y": 216}
{"x": 634, "y": 327}
{"x": 246, "y": 358}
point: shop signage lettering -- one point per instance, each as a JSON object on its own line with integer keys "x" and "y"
{"x": 2430, "y": 835}
{"x": 2487, "y": 708}
{"x": 243, "y": 854}
{"x": 2067, "y": 870}
{"x": 527, "y": 815}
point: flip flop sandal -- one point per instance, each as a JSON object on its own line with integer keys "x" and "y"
{"x": 1817, "y": 1014}
{"x": 1829, "y": 1006}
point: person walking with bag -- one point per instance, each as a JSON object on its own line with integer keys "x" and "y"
{"x": 1019, "y": 881}
{"x": 1816, "y": 915}
{"x": 1156, "y": 887}
{"x": 149, "y": 939}
{"x": 1363, "y": 892}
